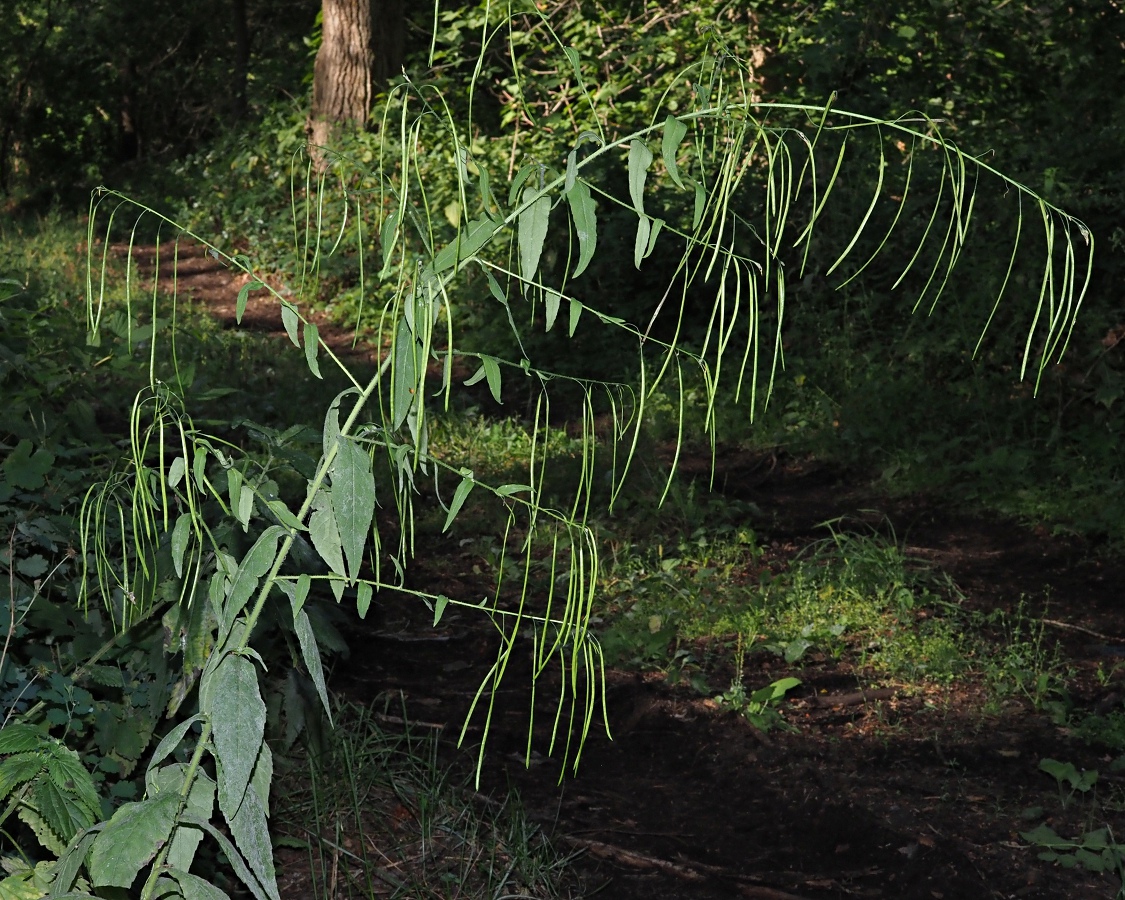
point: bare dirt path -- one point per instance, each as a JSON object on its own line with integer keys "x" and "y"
{"x": 875, "y": 795}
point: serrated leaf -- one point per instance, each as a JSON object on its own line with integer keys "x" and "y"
{"x": 640, "y": 158}
{"x": 353, "y": 500}
{"x": 131, "y": 839}
{"x": 254, "y": 565}
{"x": 405, "y": 374}
{"x": 291, "y": 320}
{"x": 533, "y": 223}
{"x": 363, "y": 596}
{"x": 250, "y": 830}
{"x": 459, "y": 496}
{"x": 62, "y": 810}
{"x": 312, "y": 347}
{"x": 310, "y": 652}
{"x": 243, "y": 296}
{"x": 18, "y": 769}
{"x": 1045, "y": 836}
{"x": 575, "y": 315}
{"x": 238, "y": 718}
{"x": 20, "y": 738}
{"x": 180, "y": 534}
{"x": 43, "y": 832}
{"x": 33, "y": 566}
{"x": 68, "y": 773}
{"x": 674, "y": 131}
{"x": 583, "y": 212}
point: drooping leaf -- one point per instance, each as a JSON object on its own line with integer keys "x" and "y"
{"x": 470, "y": 239}
{"x": 171, "y": 741}
{"x": 310, "y": 652}
{"x": 640, "y": 158}
{"x": 363, "y": 599}
{"x": 245, "y": 505}
{"x": 674, "y": 131}
{"x": 404, "y": 376}
{"x": 387, "y": 235}
{"x": 552, "y": 300}
{"x": 192, "y": 887}
{"x": 325, "y": 534}
{"x": 583, "y": 211}
{"x": 260, "y": 891}
{"x": 66, "y": 770}
{"x": 180, "y": 534}
{"x": 243, "y": 296}
{"x": 131, "y": 839}
{"x": 262, "y": 779}
{"x": 16, "y": 770}
{"x": 533, "y": 223}
{"x": 250, "y": 830}
{"x": 254, "y": 565}
{"x": 439, "y": 608}
{"x": 353, "y": 500}
{"x": 644, "y": 227}
{"x": 459, "y": 497}
{"x": 312, "y": 347}
{"x": 238, "y": 719}
{"x": 200, "y": 801}
{"x": 70, "y": 863}
{"x": 62, "y": 809}
{"x": 290, "y": 319}
{"x": 575, "y": 315}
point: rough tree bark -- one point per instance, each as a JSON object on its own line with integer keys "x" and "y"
{"x": 344, "y": 70}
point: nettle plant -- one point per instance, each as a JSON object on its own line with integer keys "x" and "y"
{"x": 215, "y": 539}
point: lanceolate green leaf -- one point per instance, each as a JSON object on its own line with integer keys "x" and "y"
{"x": 533, "y": 224}
{"x": 238, "y": 719}
{"x": 674, "y": 131}
{"x": 490, "y": 370}
{"x": 353, "y": 500}
{"x": 312, "y": 346}
{"x": 291, "y": 321}
{"x": 325, "y": 534}
{"x": 260, "y": 892}
{"x": 404, "y": 376}
{"x": 195, "y": 888}
{"x": 640, "y": 158}
{"x": 131, "y": 839}
{"x": 583, "y": 211}
{"x": 243, "y": 296}
{"x": 250, "y": 830}
{"x": 254, "y": 565}
{"x": 459, "y": 497}
{"x": 311, "y": 655}
{"x": 180, "y": 534}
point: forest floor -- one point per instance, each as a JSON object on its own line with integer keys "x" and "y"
{"x": 881, "y": 794}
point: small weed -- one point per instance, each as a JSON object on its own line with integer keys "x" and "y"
{"x": 1070, "y": 780}
{"x": 1024, "y": 663}
{"x": 758, "y": 707}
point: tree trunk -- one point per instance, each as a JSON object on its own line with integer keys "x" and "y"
{"x": 343, "y": 75}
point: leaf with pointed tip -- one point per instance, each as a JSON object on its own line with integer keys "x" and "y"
{"x": 517, "y": 182}
{"x": 363, "y": 599}
{"x": 130, "y": 839}
{"x": 640, "y": 158}
{"x": 312, "y": 346}
{"x": 387, "y": 235}
{"x": 290, "y": 320}
{"x": 459, "y": 496}
{"x": 533, "y": 224}
{"x": 192, "y": 887}
{"x": 251, "y": 833}
{"x": 254, "y": 565}
{"x": 243, "y": 296}
{"x": 644, "y": 228}
{"x": 583, "y": 211}
{"x": 674, "y": 131}
{"x": 404, "y": 375}
{"x": 325, "y": 534}
{"x": 310, "y": 652}
{"x": 260, "y": 891}
{"x": 439, "y": 608}
{"x": 552, "y": 300}
{"x": 238, "y": 720}
{"x": 575, "y": 315}
{"x": 353, "y": 500}
{"x": 180, "y": 534}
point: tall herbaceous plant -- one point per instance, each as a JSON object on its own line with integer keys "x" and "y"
{"x": 721, "y": 195}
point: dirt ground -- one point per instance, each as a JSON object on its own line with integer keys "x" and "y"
{"x": 876, "y": 795}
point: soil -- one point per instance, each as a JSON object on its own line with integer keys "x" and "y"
{"x": 876, "y": 793}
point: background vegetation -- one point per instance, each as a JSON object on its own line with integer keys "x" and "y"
{"x": 201, "y": 112}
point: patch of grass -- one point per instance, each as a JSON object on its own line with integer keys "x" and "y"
{"x": 379, "y": 815}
